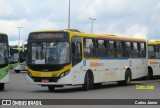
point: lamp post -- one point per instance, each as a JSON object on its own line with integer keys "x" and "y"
{"x": 19, "y": 28}
{"x": 69, "y": 16}
{"x": 92, "y": 24}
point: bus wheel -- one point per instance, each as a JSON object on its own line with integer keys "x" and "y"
{"x": 51, "y": 88}
{"x": 17, "y": 71}
{"x": 88, "y": 82}
{"x": 2, "y": 86}
{"x": 149, "y": 76}
{"x": 127, "y": 80}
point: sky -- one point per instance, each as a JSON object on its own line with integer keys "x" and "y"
{"x": 130, "y": 18}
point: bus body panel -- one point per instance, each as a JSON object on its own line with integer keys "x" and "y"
{"x": 155, "y": 65}
{"x": 103, "y": 71}
{"x": 139, "y": 68}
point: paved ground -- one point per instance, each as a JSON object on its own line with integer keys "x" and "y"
{"x": 19, "y": 89}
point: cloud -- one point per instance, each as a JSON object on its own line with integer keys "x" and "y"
{"x": 137, "y": 31}
{"x": 6, "y": 9}
{"x": 10, "y": 26}
{"x": 132, "y": 18}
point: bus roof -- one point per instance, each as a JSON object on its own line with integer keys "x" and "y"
{"x": 153, "y": 42}
{"x": 103, "y": 36}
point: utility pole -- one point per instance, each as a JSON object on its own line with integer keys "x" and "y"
{"x": 19, "y": 28}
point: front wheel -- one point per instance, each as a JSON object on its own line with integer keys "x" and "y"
{"x": 127, "y": 80}
{"x": 88, "y": 82}
{"x": 1, "y": 86}
{"x": 85, "y": 86}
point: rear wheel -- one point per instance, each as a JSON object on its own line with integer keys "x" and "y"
{"x": 149, "y": 76}
{"x": 2, "y": 86}
{"x": 51, "y": 88}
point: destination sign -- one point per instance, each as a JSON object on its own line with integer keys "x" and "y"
{"x": 47, "y": 35}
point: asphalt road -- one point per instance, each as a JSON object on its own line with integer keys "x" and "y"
{"x": 19, "y": 89}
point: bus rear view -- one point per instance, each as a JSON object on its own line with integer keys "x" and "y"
{"x": 48, "y": 58}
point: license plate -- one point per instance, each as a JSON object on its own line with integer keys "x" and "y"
{"x": 45, "y": 80}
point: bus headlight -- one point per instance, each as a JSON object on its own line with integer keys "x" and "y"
{"x": 64, "y": 74}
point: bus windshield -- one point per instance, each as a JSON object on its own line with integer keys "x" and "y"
{"x": 49, "y": 53}
{"x": 15, "y": 57}
{"x": 3, "y": 53}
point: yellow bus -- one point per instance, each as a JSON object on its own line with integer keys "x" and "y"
{"x": 153, "y": 59}
{"x": 71, "y": 57}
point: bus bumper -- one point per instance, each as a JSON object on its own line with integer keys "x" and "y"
{"x": 66, "y": 80}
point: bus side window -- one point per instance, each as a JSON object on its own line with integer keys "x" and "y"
{"x": 101, "y": 50}
{"x": 76, "y": 50}
{"x": 128, "y": 49}
{"x": 157, "y": 52}
{"x": 139, "y": 50}
{"x": 78, "y": 53}
{"x": 119, "y": 49}
{"x": 89, "y": 47}
{"x": 151, "y": 52}
{"x": 143, "y": 50}
{"x": 135, "y": 49}
{"x": 123, "y": 49}
{"x": 112, "y": 51}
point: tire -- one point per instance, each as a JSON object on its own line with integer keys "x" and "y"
{"x": 1, "y": 86}
{"x": 149, "y": 76}
{"x": 51, "y": 88}
{"x": 127, "y": 80}
{"x": 85, "y": 86}
{"x": 88, "y": 82}
{"x": 17, "y": 71}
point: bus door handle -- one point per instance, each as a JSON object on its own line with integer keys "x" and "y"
{"x": 107, "y": 69}
{"x": 84, "y": 70}
{"x": 154, "y": 66}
